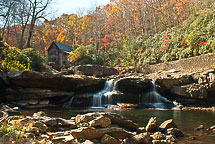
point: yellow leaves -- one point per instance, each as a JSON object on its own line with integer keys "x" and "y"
{"x": 61, "y": 36}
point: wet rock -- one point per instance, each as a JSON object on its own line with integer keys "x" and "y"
{"x": 168, "y": 124}
{"x": 93, "y": 133}
{"x": 92, "y": 120}
{"x": 107, "y": 139}
{"x": 95, "y": 70}
{"x": 121, "y": 121}
{"x": 158, "y": 136}
{"x": 192, "y": 90}
{"x": 175, "y": 132}
{"x": 63, "y": 140}
{"x": 212, "y": 127}
{"x": 134, "y": 85}
{"x": 152, "y": 125}
{"x": 201, "y": 127}
{"x": 143, "y": 138}
{"x": 178, "y": 106}
{"x": 39, "y": 114}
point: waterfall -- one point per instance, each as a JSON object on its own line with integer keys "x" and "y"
{"x": 153, "y": 98}
{"x": 105, "y": 96}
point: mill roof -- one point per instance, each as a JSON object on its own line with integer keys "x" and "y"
{"x": 64, "y": 47}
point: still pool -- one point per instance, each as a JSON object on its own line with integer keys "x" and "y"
{"x": 187, "y": 121}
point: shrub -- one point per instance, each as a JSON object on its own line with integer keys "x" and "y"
{"x": 37, "y": 60}
{"x": 12, "y": 59}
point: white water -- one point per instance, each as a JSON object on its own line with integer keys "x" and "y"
{"x": 153, "y": 98}
{"x": 105, "y": 96}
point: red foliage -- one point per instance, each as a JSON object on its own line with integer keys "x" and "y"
{"x": 203, "y": 44}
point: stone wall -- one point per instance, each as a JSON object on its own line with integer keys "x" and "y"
{"x": 197, "y": 63}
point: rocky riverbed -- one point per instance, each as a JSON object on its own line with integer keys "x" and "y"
{"x": 97, "y": 127}
{"x": 100, "y": 127}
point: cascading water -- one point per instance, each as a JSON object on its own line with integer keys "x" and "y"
{"x": 153, "y": 98}
{"x": 105, "y": 96}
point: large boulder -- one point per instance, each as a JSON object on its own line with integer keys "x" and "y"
{"x": 93, "y": 133}
{"x": 95, "y": 70}
{"x": 191, "y": 91}
{"x": 166, "y": 83}
{"x": 168, "y": 124}
{"x": 92, "y": 120}
{"x": 134, "y": 85}
{"x": 121, "y": 121}
{"x": 32, "y": 79}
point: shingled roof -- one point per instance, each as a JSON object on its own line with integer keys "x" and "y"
{"x": 64, "y": 47}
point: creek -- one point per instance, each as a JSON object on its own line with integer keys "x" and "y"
{"x": 187, "y": 121}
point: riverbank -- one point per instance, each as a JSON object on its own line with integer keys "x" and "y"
{"x": 67, "y": 125}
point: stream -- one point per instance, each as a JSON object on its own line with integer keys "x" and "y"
{"x": 187, "y": 121}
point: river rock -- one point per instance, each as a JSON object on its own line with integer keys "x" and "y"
{"x": 32, "y": 79}
{"x": 158, "y": 136}
{"x": 10, "y": 111}
{"x": 159, "y": 142}
{"x": 107, "y": 139}
{"x": 93, "y": 133}
{"x": 95, "y": 70}
{"x": 134, "y": 85}
{"x": 42, "y": 127}
{"x": 88, "y": 142}
{"x": 168, "y": 124}
{"x": 33, "y": 130}
{"x": 121, "y": 121}
{"x": 143, "y": 138}
{"x": 63, "y": 140}
{"x": 200, "y": 127}
{"x": 175, "y": 132}
{"x": 192, "y": 90}
{"x": 55, "y": 122}
{"x": 93, "y": 120}
{"x": 152, "y": 125}
{"x": 39, "y": 114}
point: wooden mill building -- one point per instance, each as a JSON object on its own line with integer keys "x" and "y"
{"x": 57, "y": 54}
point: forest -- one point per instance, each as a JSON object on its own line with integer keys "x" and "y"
{"x": 122, "y": 33}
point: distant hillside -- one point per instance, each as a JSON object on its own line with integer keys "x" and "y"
{"x": 195, "y": 37}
